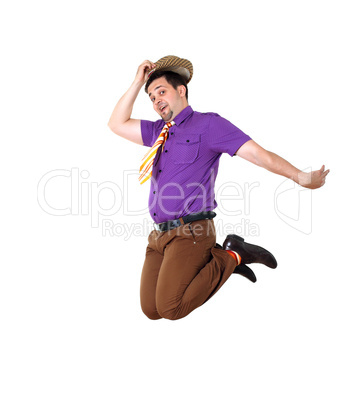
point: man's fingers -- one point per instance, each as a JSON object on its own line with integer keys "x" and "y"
{"x": 148, "y": 63}
{"x": 323, "y": 177}
{"x": 143, "y": 69}
{"x": 323, "y": 172}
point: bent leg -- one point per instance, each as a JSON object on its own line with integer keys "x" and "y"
{"x": 193, "y": 269}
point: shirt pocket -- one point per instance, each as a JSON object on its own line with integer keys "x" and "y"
{"x": 186, "y": 149}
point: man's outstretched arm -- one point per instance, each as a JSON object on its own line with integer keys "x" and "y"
{"x": 120, "y": 121}
{"x": 254, "y": 153}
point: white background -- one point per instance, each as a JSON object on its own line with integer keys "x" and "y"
{"x": 71, "y": 324}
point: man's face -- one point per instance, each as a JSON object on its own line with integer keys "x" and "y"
{"x": 167, "y": 101}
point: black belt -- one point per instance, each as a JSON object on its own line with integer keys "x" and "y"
{"x": 183, "y": 220}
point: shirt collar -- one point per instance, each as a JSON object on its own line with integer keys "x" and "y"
{"x": 186, "y": 112}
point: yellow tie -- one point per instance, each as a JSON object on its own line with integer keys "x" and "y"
{"x": 148, "y": 159}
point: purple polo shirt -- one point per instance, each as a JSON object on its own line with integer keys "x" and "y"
{"x": 184, "y": 174}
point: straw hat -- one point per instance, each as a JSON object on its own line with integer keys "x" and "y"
{"x": 180, "y": 66}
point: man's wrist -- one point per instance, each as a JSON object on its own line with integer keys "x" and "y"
{"x": 136, "y": 84}
{"x": 303, "y": 179}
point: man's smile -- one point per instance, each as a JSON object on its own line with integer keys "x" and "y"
{"x": 162, "y": 107}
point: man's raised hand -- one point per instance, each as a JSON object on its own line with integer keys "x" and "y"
{"x": 143, "y": 70}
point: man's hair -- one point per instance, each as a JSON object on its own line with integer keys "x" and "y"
{"x": 172, "y": 78}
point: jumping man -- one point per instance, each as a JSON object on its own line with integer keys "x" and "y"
{"x": 184, "y": 266}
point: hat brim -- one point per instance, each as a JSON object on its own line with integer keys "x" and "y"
{"x": 184, "y": 72}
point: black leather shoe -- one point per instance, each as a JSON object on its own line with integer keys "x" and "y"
{"x": 249, "y": 253}
{"x": 245, "y": 271}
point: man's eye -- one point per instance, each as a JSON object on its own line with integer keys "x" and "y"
{"x": 162, "y": 92}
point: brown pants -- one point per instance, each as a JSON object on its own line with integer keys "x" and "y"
{"x": 182, "y": 270}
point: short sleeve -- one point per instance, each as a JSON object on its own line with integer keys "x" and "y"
{"x": 150, "y": 131}
{"x": 147, "y": 132}
{"x": 224, "y": 137}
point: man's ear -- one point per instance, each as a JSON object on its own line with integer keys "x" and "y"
{"x": 181, "y": 90}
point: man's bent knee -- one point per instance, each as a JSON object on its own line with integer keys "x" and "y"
{"x": 171, "y": 313}
{"x": 151, "y": 313}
